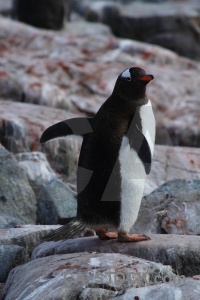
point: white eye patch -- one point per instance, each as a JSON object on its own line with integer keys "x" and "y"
{"x": 126, "y": 74}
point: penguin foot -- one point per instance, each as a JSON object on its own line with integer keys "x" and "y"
{"x": 126, "y": 237}
{"x": 103, "y": 234}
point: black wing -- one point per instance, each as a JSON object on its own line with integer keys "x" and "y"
{"x": 140, "y": 144}
{"x": 75, "y": 126}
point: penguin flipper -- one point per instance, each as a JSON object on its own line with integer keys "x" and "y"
{"x": 141, "y": 147}
{"x": 75, "y": 126}
{"x": 73, "y": 229}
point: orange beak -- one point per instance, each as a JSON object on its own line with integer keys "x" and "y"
{"x": 147, "y": 77}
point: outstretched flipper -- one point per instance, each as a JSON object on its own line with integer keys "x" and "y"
{"x": 75, "y": 126}
{"x": 73, "y": 229}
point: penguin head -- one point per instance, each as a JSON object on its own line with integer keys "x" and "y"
{"x": 131, "y": 85}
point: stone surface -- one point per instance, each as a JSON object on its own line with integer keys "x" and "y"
{"x": 36, "y": 167}
{"x": 172, "y": 163}
{"x": 48, "y": 14}
{"x": 66, "y": 276}
{"x": 20, "y": 131}
{"x": 187, "y": 288}
{"x": 57, "y": 203}
{"x": 173, "y": 208}
{"x": 17, "y": 199}
{"x": 171, "y": 25}
{"x": 8, "y": 221}
{"x": 10, "y": 257}
{"x": 27, "y": 236}
{"x": 73, "y": 71}
{"x": 182, "y": 252}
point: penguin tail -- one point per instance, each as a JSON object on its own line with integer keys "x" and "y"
{"x": 73, "y": 229}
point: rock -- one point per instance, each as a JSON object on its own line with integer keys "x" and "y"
{"x": 48, "y": 14}
{"x": 172, "y": 163}
{"x": 57, "y": 203}
{"x": 67, "y": 275}
{"x": 36, "y": 167}
{"x": 27, "y": 236}
{"x": 5, "y": 7}
{"x": 171, "y": 25}
{"x": 10, "y": 88}
{"x": 173, "y": 208}
{"x": 20, "y": 132}
{"x": 1, "y": 290}
{"x": 10, "y": 257}
{"x": 75, "y": 72}
{"x": 16, "y": 196}
{"x": 182, "y": 288}
{"x": 8, "y": 221}
{"x": 182, "y": 252}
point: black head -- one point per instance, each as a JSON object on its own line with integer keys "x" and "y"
{"x": 131, "y": 85}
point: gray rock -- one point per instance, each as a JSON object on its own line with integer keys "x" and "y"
{"x": 10, "y": 257}
{"x": 57, "y": 203}
{"x": 17, "y": 198}
{"x": 26, "y": 236}
{"x": 8, "y": 221}
{"x": 6, "y": 7}
{"x": 171, "y": 163}
{"x": 66, "y": 276}
{"x": 182, "y": 288}
{"x": 36, "y": 167}
{"x": 79, "y": 80}
{"x": 48, "y": 14}
{"x": 171, "y": 25}
{"x": 173, "y": 208}
{"x": 21, "y": 131}
{"x": 182, "y": 252}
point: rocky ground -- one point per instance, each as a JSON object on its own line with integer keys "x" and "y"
{"x": 48, "y": 76}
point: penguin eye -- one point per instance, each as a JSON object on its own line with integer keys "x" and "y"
{"x": 128, "y": 78}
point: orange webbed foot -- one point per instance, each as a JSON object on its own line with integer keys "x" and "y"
{"x": 103, "y": 234}
{"x": 126, "y": 237}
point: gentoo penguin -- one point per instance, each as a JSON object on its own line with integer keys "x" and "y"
{"x": 115, "y": 158}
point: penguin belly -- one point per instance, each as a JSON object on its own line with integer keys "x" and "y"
{"x": 132, "y": 170}
{"x": 132, "y": 185}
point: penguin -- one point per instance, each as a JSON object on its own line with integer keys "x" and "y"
{"x": 115, "y": 158}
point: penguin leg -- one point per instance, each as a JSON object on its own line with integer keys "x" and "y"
{"x": 124, "y": 237}
{"x": 103, "y": 234}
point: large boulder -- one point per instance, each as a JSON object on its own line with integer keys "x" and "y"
{"x": 48, "y": 14}
{"x": 172, "y": 208}
{"x": 76, "y": 70}
{"x": 171, "y": 163}
{"x": 26, "y": 236}
{"x": 21, "y": 125}
{"x": 10, "y": 257}
{"x": 171, "y": 25}
{"x": 67, "y": 275}
{"x": 56, "y": 202}
{"x": 181, "y": 252}
{"x": 17, "y": 199}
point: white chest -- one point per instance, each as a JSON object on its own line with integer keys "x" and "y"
{"x": 132, "y": 171}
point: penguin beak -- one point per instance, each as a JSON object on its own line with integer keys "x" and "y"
{"x": 147, "y": 78}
